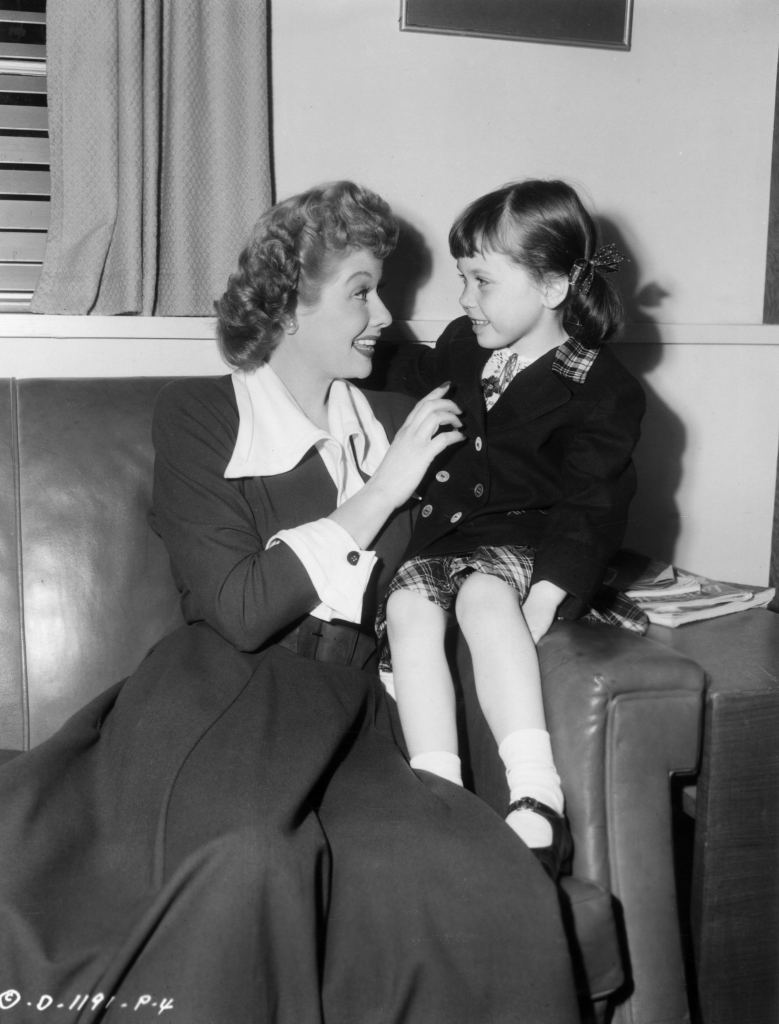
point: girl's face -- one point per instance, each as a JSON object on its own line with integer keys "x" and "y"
{"x": 338, "y": 331}
{"x": 504, "y": 303}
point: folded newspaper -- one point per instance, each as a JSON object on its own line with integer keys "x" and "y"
{"x": 671, "y": 597}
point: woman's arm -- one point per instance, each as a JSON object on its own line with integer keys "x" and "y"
{"x": 216, "y": 545}
{"x": 418, "y": 441}
{"x": 215, "y": 538}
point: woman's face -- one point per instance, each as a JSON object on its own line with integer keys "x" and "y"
{"x": 338, "y": 332}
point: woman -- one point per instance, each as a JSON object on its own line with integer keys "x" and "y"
{"x": 233, "y": 836}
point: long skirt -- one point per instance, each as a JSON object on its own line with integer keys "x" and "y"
{"x": 230, "y": 838}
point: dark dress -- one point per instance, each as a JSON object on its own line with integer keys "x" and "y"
{"x": 233, "y": 835}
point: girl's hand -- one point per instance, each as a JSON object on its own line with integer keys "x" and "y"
{"x": 540, "y": 607}
{"x": 417, "y": 443}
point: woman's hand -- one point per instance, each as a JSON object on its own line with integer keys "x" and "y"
{"x": 417, "y": 443}
{"x": 540, "y": 607}
{"x": 400, "y": 472}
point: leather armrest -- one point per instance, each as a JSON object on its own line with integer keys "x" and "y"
{"x": 621, "y": 710}
{"x": 624, "y": 713}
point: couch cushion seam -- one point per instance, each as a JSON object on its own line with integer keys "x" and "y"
{"x": 17, "y": 485}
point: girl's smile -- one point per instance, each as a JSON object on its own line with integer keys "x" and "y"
{"x": 507, "y": 307}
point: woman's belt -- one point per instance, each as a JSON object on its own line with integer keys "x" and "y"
{"x": 337, "y": 642}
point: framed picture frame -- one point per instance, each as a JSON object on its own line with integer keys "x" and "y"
{"x": 597, "y": 23}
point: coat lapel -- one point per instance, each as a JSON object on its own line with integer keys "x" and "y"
{"x": 533, "y": 392}
{"x": 307, "y": 491}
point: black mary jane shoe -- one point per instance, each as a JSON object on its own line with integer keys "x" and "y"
{"x": 554, "y": 857}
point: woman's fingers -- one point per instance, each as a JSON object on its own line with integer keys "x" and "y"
{"x": 431, "y": 414}
{"x": 432, "y": 425}
{"x": 436, "y": 419}
{"x": 432, "y": 403}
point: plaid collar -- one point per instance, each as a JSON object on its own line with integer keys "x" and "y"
{"x": 572, "y": 361}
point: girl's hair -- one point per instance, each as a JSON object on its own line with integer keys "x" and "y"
{"x": 544, "y": 227}
{"x": 290, "y": 255}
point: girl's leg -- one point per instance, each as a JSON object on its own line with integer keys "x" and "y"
{"x": 423, "y": 683}
{"x": 508, "y": 685}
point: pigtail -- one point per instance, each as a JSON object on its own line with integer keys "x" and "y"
{"x": 592, "y": 311}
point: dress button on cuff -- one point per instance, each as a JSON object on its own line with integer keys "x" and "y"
{"x": 353, "y": 557}
{"x": 442, "y": 476}
{"x": 426, "y": 511}
{"x": 456, "y": 517}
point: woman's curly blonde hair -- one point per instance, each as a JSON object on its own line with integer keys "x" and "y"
{"x": 289, "y": 257}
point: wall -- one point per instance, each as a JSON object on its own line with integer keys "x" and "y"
{"x": 671, "y": 144}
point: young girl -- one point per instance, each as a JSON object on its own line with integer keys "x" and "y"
{"x": 516, "y": 524}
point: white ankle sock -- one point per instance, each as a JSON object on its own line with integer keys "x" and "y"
{"x": 530, "y": 771}
{"x": 440, "y": 762}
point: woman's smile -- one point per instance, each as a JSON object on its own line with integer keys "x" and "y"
{"x": 366, "y": 346}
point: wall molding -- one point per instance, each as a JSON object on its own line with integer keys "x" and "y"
{"x": 109, "y": 328}
{"x": 82, "y": 346}
{"x": 637, "y": 333}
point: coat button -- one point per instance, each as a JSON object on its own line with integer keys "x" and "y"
{"x": 456, "y": 517}
{"x": 478, "y": 490}
{"x": 353, "y": 557}
{"x": 478, "y": 444}
{"x": 442, "y": 476}
{"x": 426, "y": 511}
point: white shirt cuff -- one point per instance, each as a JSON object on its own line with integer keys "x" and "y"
{"x": 338, "y": 569}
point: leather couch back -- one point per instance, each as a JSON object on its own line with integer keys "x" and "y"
{"x": 85, "y": 585}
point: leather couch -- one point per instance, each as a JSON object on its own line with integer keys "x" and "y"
{"x": 85, "y": 590}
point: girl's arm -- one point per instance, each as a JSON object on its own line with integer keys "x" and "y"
{"x": 417, "y": 368}
{"x": 585, "y": 529}
{"x": 540, "y": 607}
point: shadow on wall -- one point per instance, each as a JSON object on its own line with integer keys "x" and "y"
{"x": 405, "y": 272}
{"x": 653, "y": 527}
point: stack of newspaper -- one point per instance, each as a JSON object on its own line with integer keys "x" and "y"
{"x": 671, "y": 597}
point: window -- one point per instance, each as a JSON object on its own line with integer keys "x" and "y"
{"x": 24, "y": 150}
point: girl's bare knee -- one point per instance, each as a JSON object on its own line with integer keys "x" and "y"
{"x": 409, "y": 611}
{"x": 481, "y": 596}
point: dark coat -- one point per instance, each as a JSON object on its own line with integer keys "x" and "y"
{"x": 549, "y": 466}
{"x": 216, "y": 529}
{"x": 234, "y": 830}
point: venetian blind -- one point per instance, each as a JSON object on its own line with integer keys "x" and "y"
{"x": 24, "y": 150}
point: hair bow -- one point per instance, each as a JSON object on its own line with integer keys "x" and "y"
{"x": 607, "y": 259}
